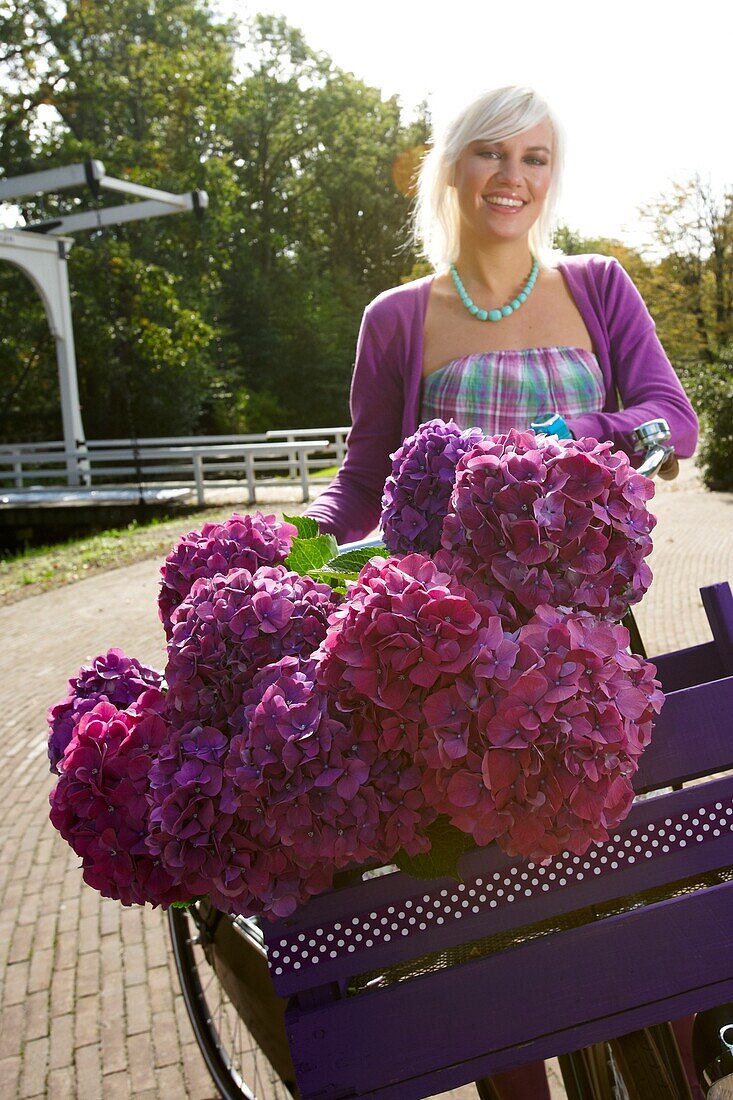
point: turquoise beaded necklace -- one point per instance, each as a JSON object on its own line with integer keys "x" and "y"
{"x": 505, "y": 311}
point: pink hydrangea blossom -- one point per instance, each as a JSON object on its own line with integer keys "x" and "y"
{"x": 486, "y": 681}
{"x": 562, "y": 522}
{"x": 537, "y": 750}
{"x": 110, "y": 677}
{"x": 100, "y": 804}
{"x": 404, "y": 625}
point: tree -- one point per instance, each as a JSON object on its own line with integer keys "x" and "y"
{"x": 305, "y": 223}
{"x": 321, "y": 220}
{"x": 139, "y": 86}
{"x": 664, "y": 295}
{"x": 693, "y": 227}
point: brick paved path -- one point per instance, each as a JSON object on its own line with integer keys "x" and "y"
{"x": 88, "y": 998}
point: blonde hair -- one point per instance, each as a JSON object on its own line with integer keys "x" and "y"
{"x": 494, "y": 116}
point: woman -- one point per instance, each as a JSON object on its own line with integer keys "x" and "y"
{"x": 500, "y": 336}
{"x": 573, "y": 337}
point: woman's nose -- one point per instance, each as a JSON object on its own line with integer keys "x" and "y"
{"x": 510, "y": 170}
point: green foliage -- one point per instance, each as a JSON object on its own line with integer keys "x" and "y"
{"x": 307, "y": 528}
{"x": 317, "y": 556}
{"x": 658, "y": 284}
{"x": 311, "y": 555}
{"x": 257, "y": 325}
{"x": 146, "y": 355}
{"x": 710, "y": 388}
{"x": 353, "y": 561}
{"x": 447, "y": 845}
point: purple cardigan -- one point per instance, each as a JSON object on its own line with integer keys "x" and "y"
{"x": 386, "y": 385}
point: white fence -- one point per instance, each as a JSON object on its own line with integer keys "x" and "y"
{"x": 297, "y": 454}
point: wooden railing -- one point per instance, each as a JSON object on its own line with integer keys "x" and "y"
{"x": 198, "y": 461}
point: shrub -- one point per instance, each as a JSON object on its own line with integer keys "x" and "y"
{"x": 710, "y": 389}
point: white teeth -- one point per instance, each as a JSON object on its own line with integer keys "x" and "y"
{"x": 501, "y": 201}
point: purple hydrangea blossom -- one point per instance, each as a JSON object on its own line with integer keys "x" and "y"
{"x": 554, "y": 522}
{"x": 241, "y": 542}
{"x": 100, "y": 804}
{"x": 485, "y": 680}
{"x": 230, "y": 626}
{"x": 261, "y": 821}
{"x": 111, "y": 677}
{"x": 417, "y": 491}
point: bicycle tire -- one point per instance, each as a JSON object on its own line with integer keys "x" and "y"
{"x": 585, "y": 1073}
{"x": 237, "y": 1019}
{"x": 646, "y": 1066}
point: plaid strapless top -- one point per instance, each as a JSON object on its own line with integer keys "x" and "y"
{"x": 499, "y": 390}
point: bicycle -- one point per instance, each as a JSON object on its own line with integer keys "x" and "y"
{"x": 381, "y": 949}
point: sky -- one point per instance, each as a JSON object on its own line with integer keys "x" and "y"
{"x": 642, "y": 87}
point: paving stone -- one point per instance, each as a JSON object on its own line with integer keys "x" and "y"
{"x": 10, "y": 1075}
{"x": 44, "y": 929}
{"x": 62, "y": 1041}
{"x": 15, "y": 985}
{"x": 198, "y": 1081}
{"x": 11, "y": 1033}
{"x": 20, "y": 944}
{"x": 133, "y": 963}
{"x": 116, "y": 1086}
{"x": 86, "y": 1016}
{"x": 131, "y": 927}
{"x": 111, "y": 956}
{"x": 141, "y": 1058}
{"x": 170, "y": 1081}
{"x": 66, "y": 948}
{"x": 161, "y": 989}
{"x": 62, "y": 1084}
{"x": 62, "y": 991}
{"x": 137, "y": 1009}
{"x": 114, "y": 1044}
{"x": 35, "y": 1066}
{"x": 165, "y": 1040}
{"x": 89, "y": 1072}
{"x": 87, "y": 971}
{"x": 35, "y": 1015}
{"x": 109, "y": 923}
{"x": 88, "y": 931}
{"x": 40, "y": 970}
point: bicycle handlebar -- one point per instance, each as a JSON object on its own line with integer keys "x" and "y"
{"x": 653, "y": 437}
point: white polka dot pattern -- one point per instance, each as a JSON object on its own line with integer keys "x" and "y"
{"x": 519, "y": 880}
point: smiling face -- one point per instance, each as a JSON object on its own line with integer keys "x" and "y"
{"x": 501, "y": 186}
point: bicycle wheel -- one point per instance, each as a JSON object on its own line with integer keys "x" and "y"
{"x": 237, "y": 1018}
{"x": 650, "y": 1065}
{"x": 587, "y": 1075}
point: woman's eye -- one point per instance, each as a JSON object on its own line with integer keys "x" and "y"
{"x": 491, "y": 153}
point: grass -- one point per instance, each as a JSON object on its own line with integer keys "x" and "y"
{"x": 45, "y": 567}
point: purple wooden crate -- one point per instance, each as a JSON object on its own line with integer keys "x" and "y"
{"x": 446, "y": 1024}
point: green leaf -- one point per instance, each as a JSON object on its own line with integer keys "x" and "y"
{"x": 310, "y": 555}
{"x": 186, "y": 904}
{"x": 447, "y": 846}
{"x": 353, "y": 561}
{"x": 307, "y": 527}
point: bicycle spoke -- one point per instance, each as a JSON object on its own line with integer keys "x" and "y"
{"x": 240, "y": 1068}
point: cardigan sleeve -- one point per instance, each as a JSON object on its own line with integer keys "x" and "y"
{"x": 641, "y": 372}
{"x": 350, "y": 507}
